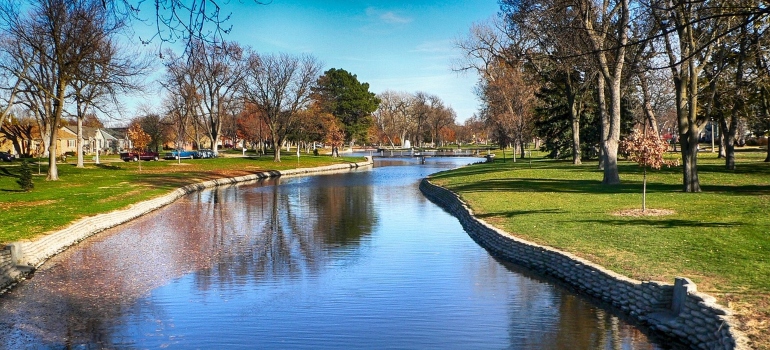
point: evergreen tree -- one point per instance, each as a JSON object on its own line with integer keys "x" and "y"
{"x": 25, "y": 177}
{"x": 341, "y": 94}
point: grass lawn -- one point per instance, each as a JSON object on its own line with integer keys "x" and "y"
{"x": 720, "y": 238}
{"x": 114, "y": 184}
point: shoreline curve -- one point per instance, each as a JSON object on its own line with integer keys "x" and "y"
{"x": 677, "y": 311}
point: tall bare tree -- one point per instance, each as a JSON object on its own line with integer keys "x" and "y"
{"x": 393, "y": 116}
{"x": 182, "y": 98}
{"x": 220, "y": 70}
{"x": 109, "y": 73}
{"x": 280, "y": 85}
{"x": 51, "y": 34}
{"x": 689, "y": 29}
{"x": 509, "y": 99}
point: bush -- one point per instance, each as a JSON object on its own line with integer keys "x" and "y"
{"x": 25, "y": 177}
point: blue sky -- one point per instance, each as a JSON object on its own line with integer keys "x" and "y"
{"x": 392, "y": 45}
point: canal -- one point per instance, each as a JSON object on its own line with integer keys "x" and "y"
{"x": 354, "y": 260}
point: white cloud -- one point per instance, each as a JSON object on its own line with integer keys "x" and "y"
{"x": 389, "y": 17}
{"x": 438, "y": 46}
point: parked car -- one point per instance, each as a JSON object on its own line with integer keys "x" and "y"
{"x": 204, "y": 153}
{"x": 136, "y": 156}
{"x": 177, "y": 154}
{"x": 6, "y": 156}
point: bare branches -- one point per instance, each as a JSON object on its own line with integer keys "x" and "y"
{"x": 280, "y": 85}
{"x": 182, "y": 21}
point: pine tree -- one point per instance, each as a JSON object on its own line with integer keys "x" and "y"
{"x": 25, "y": 177}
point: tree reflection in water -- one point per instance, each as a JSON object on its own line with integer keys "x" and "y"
{"x": 354, "y": 260}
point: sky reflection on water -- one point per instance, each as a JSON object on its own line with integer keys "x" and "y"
{"x": 352, "y": 260}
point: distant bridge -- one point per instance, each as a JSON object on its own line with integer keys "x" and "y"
{"x": 401, "y": 153}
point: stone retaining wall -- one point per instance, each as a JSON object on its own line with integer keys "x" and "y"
{"x": 677, "y": 311}
{"x": 19, "y": 258}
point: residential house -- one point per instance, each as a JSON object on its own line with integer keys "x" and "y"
{"x": 118, "y": 140}
{"x": 66, "y": 141}
{"x": 107, "y": 142}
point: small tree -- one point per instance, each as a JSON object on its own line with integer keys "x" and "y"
{"x": 25, "y": 177}
{"x": 139, "y": 139}
{"x": 647, "y": 150}
{"x": 334, "y": 137}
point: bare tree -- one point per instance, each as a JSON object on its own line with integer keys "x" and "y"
{"x": 280, "y": 85}
{"x": 437, "y": 116}
{"x": 13, "y": 67}
{"x": 539, "y": 34}
{"x": 392, "y": 116}
{"x": 182, "y": 98}
{"x": 106, "y": 75}
{"x": 51, "y": 35}
{"x": 220, "y": 70}
{"x": 509, "y": 98}
{"x": 688, "y": 30}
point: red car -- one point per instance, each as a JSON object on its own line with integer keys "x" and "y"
{"x": 137, "y": 156}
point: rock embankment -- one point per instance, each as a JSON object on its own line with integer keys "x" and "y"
{"x": 677, "y": 311}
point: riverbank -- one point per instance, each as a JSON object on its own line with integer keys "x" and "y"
{"x": 716, "y": 238}
{"x": 113, "y": 184}
{"x": 22, "y": 257}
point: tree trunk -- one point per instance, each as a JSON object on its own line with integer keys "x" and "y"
{"x": 767, "y": 158}
{"x": 605, "y": 127}
{"x": 276, "y": 147}
{"x": 611, "y": 143}
{"x": 648, "y": 111}
{"x": 80, "y": 143}
{"x": 611, "y": 175}
{"x": 689, "y": 147}
{"x": 644, "y": 190}
{"x": 575, "y": 119}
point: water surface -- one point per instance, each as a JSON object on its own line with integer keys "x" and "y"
{"x": 357, "y": 260}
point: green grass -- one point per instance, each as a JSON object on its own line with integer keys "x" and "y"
{"x": 95, "y": 189}
{"x": 720, "y": 238}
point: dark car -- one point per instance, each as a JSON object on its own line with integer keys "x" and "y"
{"x": 204, "y": 153}
{"x": 136, "y": 156}
{"x": 6, "y": 156}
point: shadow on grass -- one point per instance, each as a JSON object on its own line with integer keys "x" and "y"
{"x": 664, "y": 223}
{"x": 560, "y": 186}
{"x": 531, "y": 183}
{"x": 510, "y": 214}
{"x": 6, "y": 173}
{"x": 108, "y": 167}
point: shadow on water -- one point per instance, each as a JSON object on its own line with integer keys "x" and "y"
{"x": 589, "y": 317}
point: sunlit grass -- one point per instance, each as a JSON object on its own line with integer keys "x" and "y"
{"x": 720, "y": 238}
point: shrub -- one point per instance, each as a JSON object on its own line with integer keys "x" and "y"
{"x": 25, "y": 177}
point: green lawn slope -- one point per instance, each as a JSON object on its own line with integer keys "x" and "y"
{"x": 720, "y": 238}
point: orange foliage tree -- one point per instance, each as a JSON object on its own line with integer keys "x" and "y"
{"x": 139, "y": 139}
{"x": 647, "y": 150}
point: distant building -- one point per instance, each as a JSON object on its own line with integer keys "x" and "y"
{"x": 119, "y": 141}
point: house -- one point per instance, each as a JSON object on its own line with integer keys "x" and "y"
{"x": 106, "y": 142}
{"x": 66, "y": 141}
{"x": 118, "y": 139}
